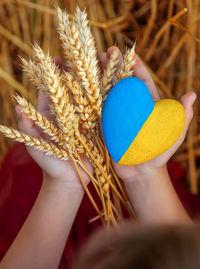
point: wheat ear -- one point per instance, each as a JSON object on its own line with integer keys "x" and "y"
{"x": 56, "y": 90}
{"x": 34, "y": 73}
{"x": 87, "y": 38}
{"x": 69, "y": 34}
{"x": 109, "y": 73}
{"x": 67, "y": 50}
{"x": 126, "y": 69}
{"x": 38, "y": 143}
{"x": 88, "y": 43}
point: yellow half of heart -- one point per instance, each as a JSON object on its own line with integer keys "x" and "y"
{"x": 159, "y": 132}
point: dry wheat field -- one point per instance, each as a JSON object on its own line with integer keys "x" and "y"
{"x": 168, "y": 41}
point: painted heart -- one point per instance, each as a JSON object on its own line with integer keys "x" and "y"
{"x": 135, "y": 128}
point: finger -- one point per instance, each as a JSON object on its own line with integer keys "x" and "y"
{"x": 43, "y": 101}
{"x": 103, "y": 60}
{"x": 110, "y": 51}
{"x": 141, "y": 72}
{"x": 104, "y": 57}
{"x": 187, "y": 101}
{"x": 58, "y": 61}
{"x": 25, "y": 124}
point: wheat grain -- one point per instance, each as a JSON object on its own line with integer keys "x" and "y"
{"x": 126, "y": 69}
{"x": 38, "y": 143}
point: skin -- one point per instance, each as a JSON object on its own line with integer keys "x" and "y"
{"x": 41, "y": 241}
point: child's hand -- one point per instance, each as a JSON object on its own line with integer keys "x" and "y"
{"x": 129, "y": 172}
{"x": 52, "y": 167}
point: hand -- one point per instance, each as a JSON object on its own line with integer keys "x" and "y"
{"x": 127, "y": 173}
{"x": 52, "y": 168}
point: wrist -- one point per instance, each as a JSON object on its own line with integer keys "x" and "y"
{"x": 62, "y": 184}
{"x": 154, "y": 198}
{"x": 144, "y": 174}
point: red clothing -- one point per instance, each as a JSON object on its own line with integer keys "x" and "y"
{"x": 20, "y": 182}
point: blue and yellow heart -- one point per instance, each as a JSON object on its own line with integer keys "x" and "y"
{"x": 135, "y": 128}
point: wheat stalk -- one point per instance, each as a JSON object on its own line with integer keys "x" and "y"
{"x": 38, "y": 143}
{"x": 109, "y": 73}
{"x": 104, "y": 185}
{"x": 126, "y": 69}
{"x": 98, "y": 157}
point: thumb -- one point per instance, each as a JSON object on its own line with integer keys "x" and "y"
{"x": 187, "y": 101}
{"x": 25, "y": 124}
{"x": 28, "y": 127}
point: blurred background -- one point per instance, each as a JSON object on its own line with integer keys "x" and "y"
{"x": 168, "y": 40}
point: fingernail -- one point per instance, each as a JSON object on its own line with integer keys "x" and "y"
{"x": 103, "y": 57}
{"x": 194, "y": 98}
{"x": 66, "y": 68}
{"x": 57, "y": 61}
